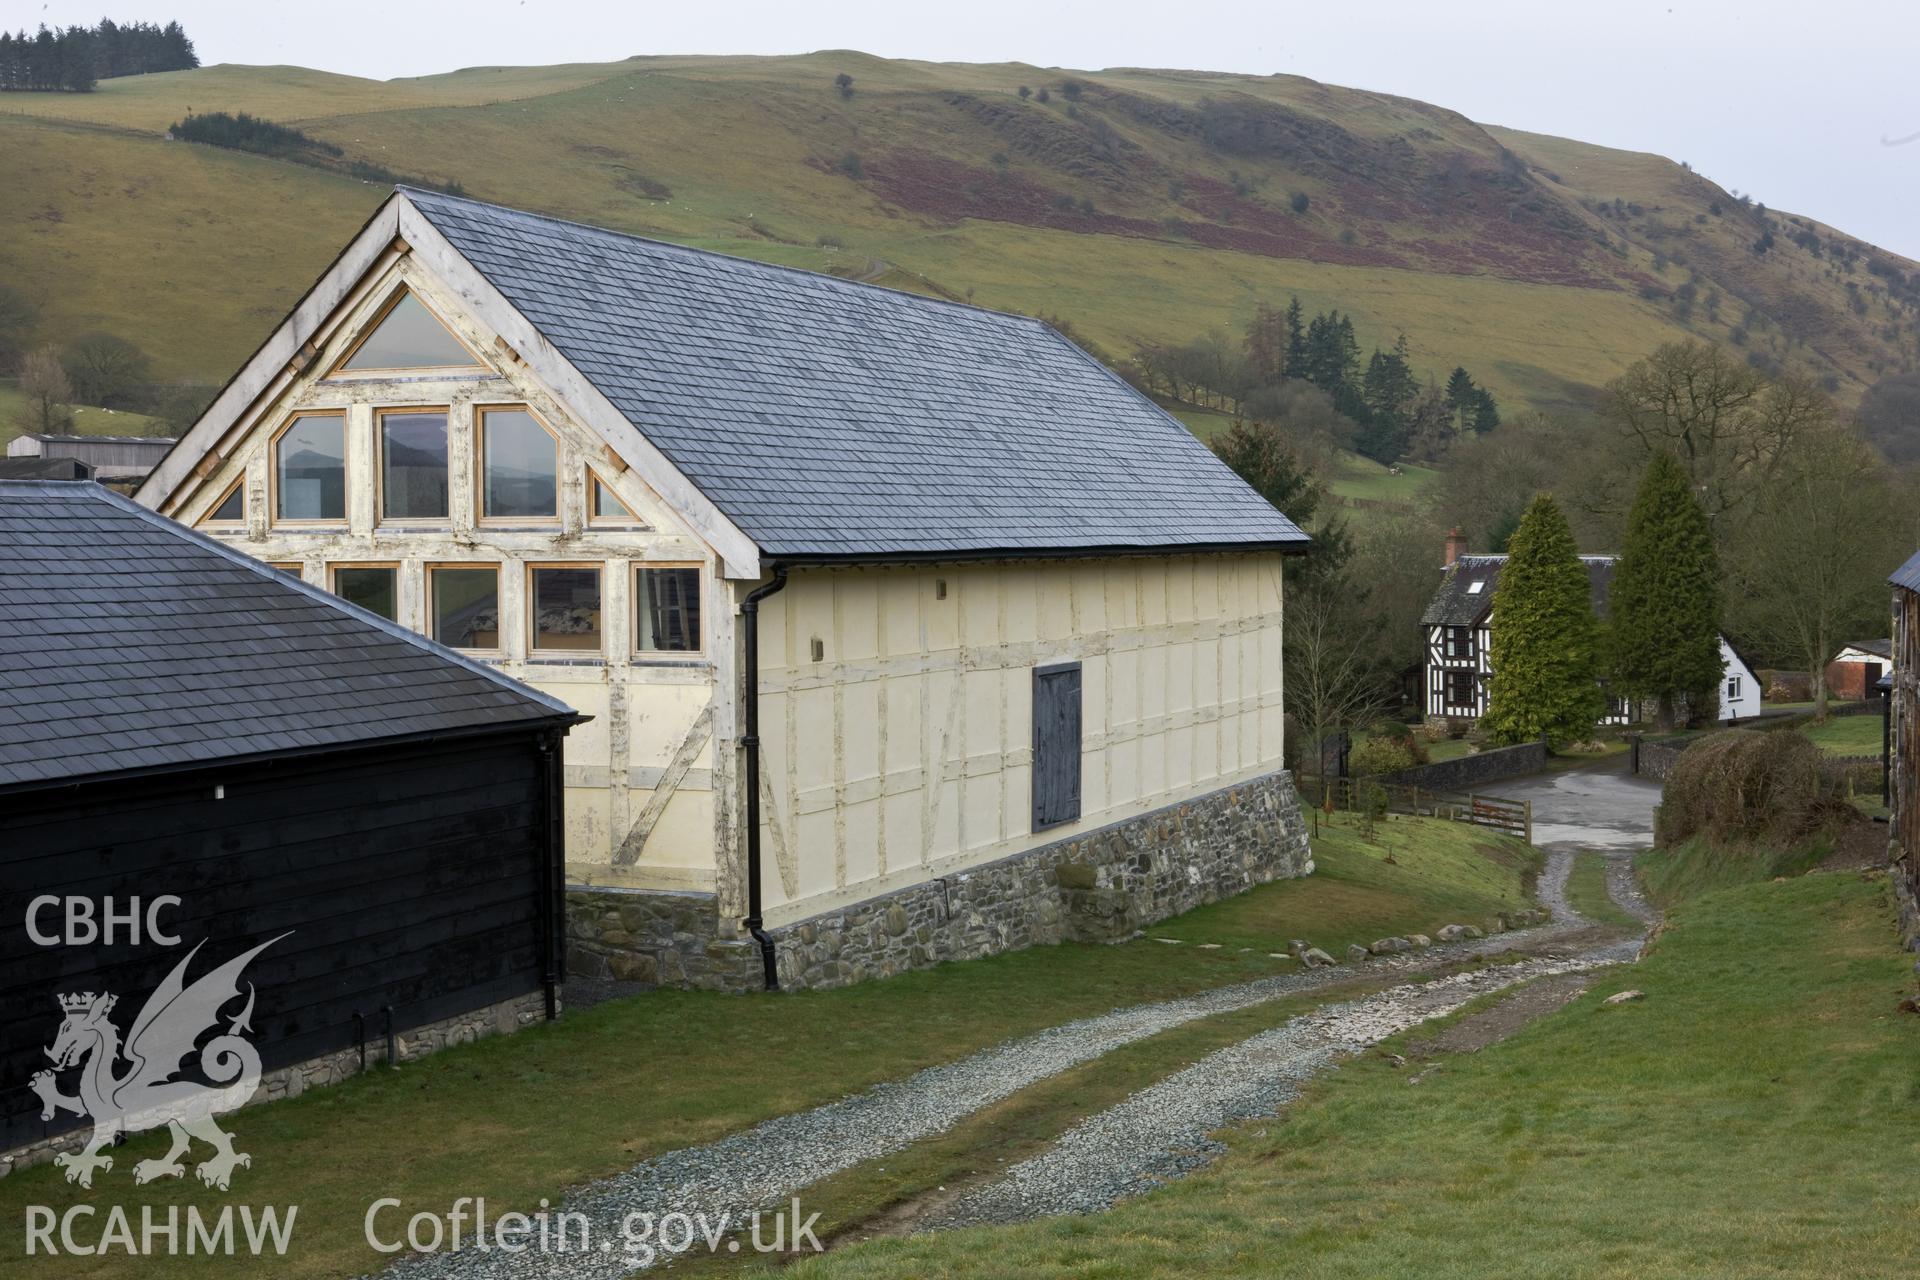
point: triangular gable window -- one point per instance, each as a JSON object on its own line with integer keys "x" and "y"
{"x": 605, "y": 506}
{"x": 408, "y": 336}
{"x": 232, "y": 509}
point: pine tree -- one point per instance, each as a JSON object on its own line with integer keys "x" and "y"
{"x": 1545, "y": 657}
{"x": 1663, "y": 634}
{"x": 1296, "y": 340}
{"x": 1461, "y": 394}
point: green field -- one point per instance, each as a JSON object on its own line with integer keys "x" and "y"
{"x": 195, "y": 252}
{"x": 1847, "y": 735}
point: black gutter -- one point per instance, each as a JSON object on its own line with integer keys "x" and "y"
{"x": 1304, "y": 546}
{"x": 553, "y": 891}
{"x": 750, "y": 740}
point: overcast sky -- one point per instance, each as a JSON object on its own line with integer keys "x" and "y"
{"x": 1795, "y": 103}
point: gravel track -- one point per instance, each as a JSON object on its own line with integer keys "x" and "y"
{"x": 1165, "y": 1130}
{"x": 763, "y": 1166}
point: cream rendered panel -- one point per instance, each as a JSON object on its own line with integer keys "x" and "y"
{"x": 904, "y": 752}
{"x": 643, "y": 711}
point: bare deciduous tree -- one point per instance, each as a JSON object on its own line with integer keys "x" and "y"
{"x": 48, "y": 393}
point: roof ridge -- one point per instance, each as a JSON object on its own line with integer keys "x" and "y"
{"x": 736, "y": 259}
{"x": 93, "y": 490}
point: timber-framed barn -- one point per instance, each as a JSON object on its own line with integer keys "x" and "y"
{"x": 907, "y": 631}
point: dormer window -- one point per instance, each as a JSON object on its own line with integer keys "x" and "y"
{"x": 407, "y": 336}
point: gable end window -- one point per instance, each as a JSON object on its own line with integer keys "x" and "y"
{"x": 310, "y": 469}
{"x": 407, "y": 336}
{"x": 374, "y": 587}
{"x": 232, "y": 507}
{"x": 1056, "y": 745}
{"x": 519, "y": 467}
{"x": 605, "y": 507}
{"x": 666, "y": 605}
{"x": 413, "y": 464}
{"x": 564, "y": 612}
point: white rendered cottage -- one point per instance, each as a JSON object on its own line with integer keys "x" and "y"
{"x": 882, "y": 605}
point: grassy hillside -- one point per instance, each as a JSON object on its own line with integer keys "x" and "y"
{"x": 1139, "y": 205}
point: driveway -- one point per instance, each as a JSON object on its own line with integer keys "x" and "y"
{"x": 1600, "y": 806}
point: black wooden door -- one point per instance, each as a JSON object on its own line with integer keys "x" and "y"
{"x": 1056, "y": 745}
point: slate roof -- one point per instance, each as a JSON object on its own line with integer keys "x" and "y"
{"x": 134, "y": 644}
{"x": 1878, "y": 648}
{"x": 1908, "y": 574}
{"x": 832, "y": 419}
{"x": 1455, "y": 605}
{"x": 35, "y": 467}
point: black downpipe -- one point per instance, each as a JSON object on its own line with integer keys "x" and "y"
{"x": 750, "y": 740}
{"x": 552, "y": 886}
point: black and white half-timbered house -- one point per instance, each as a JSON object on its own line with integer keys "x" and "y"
{"x": 1458, "y": 626}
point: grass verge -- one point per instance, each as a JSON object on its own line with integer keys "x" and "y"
{"x": 1754, "y": 1114}
{"x": 1587, "y": 892}
{"x": 1698, "y": 866}
{"x": 1410, "y": 874}
{"x": 527, "y": 1116}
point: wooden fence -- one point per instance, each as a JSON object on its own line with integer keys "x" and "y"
{"x": 1350, "y": 795}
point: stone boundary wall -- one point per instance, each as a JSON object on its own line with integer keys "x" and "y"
{"x": 502, "y": 1018}
{"x": 1465, "y": 773}
{"x": 1100, "y": 886}
{"x": 1655, "y": 757}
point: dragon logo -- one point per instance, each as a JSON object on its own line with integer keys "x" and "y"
{"x": 145, "y": 1095}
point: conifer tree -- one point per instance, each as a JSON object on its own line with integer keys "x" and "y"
{"x": 1545, "y": 653}
{"x": 1663, "y": 634}
{"x": 1296, "y": 340}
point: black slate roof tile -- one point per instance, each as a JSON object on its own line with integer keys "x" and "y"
{"x": 830, "y": 418}
{"x": 1457, "y": 604}
{"x": 134, "y": 643}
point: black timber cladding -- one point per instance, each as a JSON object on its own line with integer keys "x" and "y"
{"x": 135, "y": 644}
{"x": 832, "y": 419}
{"x": 418, "y": 878}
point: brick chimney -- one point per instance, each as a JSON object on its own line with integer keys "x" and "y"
{"x": 1456, "y": 546}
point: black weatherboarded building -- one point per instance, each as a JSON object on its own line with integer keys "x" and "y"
{"x": 178, "y": 720}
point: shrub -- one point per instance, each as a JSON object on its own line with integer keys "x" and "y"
{"x": 1414, "y": 739}
{"x": 851, "y": 166}
{"x": 1745, "y": 786}
{"x": 1382, "y": 755}
{"x": 844, "y": 83}
{"x": 1025, "y": 93}
{"x": 1300, "y": 201}
{"x": 243, "y": 132}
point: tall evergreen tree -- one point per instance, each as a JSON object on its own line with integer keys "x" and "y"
{"x": 1663, "y": 633}
{"x": 1296, "y": 340}
{"x": 1461, "y": 398}
{"x": 1545, "y": 653}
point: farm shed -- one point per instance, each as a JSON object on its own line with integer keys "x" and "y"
{"x": 884, "y": 606}
{"x": 178, "y": 720}
{"x": 1903, "y": 764}
{"x": 111, "y": 457}
{"x": 1855, "y": 671}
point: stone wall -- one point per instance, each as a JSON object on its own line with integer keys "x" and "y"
{"x": 1468, "y": 773}
{"x": 664, "y": 939}
{"x": 290, "y": 1082}
{"x": 1655, "y": 757}
{"x": 1100, "y": 886}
